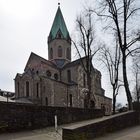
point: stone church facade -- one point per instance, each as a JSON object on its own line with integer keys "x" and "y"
{"x": 59, "y": 81}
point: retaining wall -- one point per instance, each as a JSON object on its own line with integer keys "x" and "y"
{"x": 15, "y": 116}
{"x": 102, "y": 126}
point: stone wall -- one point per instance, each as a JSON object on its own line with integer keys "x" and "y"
{"x": 58, "y": 93}
{"x": 22, "y": 116}
{"x": 100, "y": 127}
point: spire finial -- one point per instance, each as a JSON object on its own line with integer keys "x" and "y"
{"x": 59, "y": 3}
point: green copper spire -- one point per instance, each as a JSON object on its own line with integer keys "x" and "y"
{"x": 59, "y": 26}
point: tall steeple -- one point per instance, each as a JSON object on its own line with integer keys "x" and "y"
{"x": 59, "y": 27}
{"x": 59, "y": 42}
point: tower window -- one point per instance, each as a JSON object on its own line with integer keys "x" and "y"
{"x": 51, "y": 53}
{"x": 69, "y": 75}
{"x": 27, "y": 89}
{"x": 59, "y": 51}
{"x": 68, "y": 53}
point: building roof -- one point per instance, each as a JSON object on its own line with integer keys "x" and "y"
{"x": 5, "y": 99}
{"x": 40, "y": 59}
{"x": 59, "y": 25}
{"x": 75, "y": 62}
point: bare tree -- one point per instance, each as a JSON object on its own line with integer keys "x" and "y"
{"x": 111, "y": 59}
{"x": 136, "y": 73}
{"x": 84, "y": 47}
{"x": 121, "y": 15}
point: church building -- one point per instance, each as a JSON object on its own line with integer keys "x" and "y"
{"x": 59, "y": 81}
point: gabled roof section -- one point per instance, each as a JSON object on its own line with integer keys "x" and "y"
{"x": 78, "y": 62}
{"x": 59, "y": 26}
{"x": 38, "y": 61}
{"x": 74, "y": 63}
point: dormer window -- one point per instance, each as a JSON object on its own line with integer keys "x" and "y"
{"x": 59, "y": 35}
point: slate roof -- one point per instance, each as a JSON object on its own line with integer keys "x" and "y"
{"x": 74, "y": 63}
{"x": 59, "y": 25}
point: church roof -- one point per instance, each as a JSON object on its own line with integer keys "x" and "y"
{"x": 59, "y": 25}
{"x": 39, "y": 60}
{"x": 74, "y": 63}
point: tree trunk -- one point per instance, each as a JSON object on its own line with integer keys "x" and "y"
{"x": 89, "y": 88}
{"x": 126, "y": 85}
{"x": 137, "y": 89}
{"x": 114, "y": 100}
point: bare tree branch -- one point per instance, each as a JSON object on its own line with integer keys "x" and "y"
{"x": 119, "y": 12}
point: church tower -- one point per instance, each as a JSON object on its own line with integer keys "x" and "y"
{"x": 59, "y": 41}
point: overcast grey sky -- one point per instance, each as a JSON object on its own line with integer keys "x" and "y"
{"x": 24, "y": 28}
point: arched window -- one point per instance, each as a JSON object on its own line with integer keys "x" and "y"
{"x": 18, "y": 89}
{"x": 92, "y": 104}
{"x": 70, "y": 96}
{"x": 56, "y": 76}
{"x": 51, "y": 53}
{"x": 37, "y": 90}
{"x": 84, "y": 79}
{"x": 68, "y": 55}
{"x": 69, "y": 75}
{"x": 59, "y": 51}
{"x": 48, "y": 73}
{"x": 37, "y": 72}
{"x": 46, "y": 101}
{"x": 27, "y": 89}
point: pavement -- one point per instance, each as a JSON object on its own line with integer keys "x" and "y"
{"x": 132, "y": 133}
{"x": 49, "y": 133}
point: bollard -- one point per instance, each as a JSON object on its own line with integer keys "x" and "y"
{"x": 55, "y": 119}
